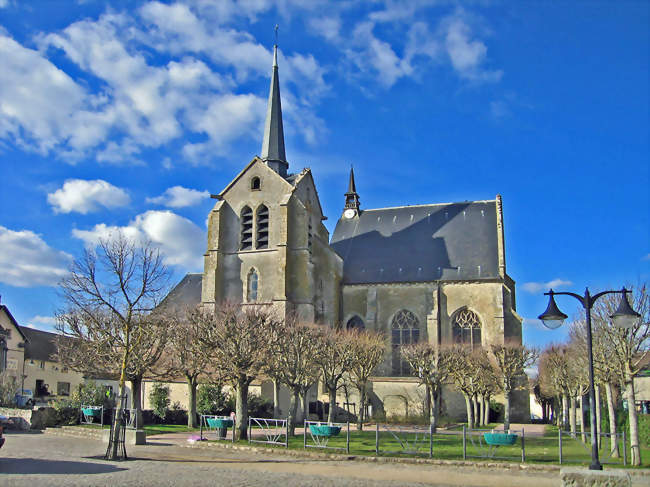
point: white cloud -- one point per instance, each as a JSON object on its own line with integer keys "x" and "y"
{"x": 85, "y": 196}
{"x": 181, "y": 242}
{"x": 27, "y": 261}
{"x": 646, "y": 257}
{"x": 467, "y": 55}
{"x": 179, "y": 197}
{"x": 536, "y": 287}
{"x": 46, "y": 323}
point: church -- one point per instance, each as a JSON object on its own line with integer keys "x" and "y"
{"x": 433, "y": 272}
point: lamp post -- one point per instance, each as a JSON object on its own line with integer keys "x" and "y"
{"x": 623, "y": 317}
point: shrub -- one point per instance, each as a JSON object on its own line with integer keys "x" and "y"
{"x": 67, "y": 412}
{"x": 259, "y": 407}
{"x": 89, "y": 394}
{"x": 159, "y": 398}
{"x": 211, "y": 399}
{"x": 176, "y": 414}
{"x": 8, "y": 388}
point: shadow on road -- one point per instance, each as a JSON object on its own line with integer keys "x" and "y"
{"x": 37, "y": 466}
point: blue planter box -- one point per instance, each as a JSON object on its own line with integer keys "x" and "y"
{"x": 500, "y": 439}
{"x": 324, "y": 430}
{"x": 219, "y": 423}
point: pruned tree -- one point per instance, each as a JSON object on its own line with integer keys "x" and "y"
{"x": 431, "y": 364}
{"x": 509, "y": 362}
{"x": 554, "y": 371}
{"x": 628, "y": 350}
{"x": 464, "y": 371}
{"x": 108, "y": 292}
{"x": 292, "y": 360}
{"x": 367, "y": 352}
{"x": 334, "y": 360}
{"x": 182, "y": 356}
{"x": 235, "y": 339}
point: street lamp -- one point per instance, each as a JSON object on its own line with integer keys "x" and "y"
{"x": 623, "y": 317}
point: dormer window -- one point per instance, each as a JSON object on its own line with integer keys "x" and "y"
{"x": 256, "y": 184}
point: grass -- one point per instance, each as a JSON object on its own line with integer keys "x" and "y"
{"x": 539, "y": 450}
{"x": 152, "y": 429}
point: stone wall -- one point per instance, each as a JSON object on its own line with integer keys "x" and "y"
{"x": 25, "y": 419}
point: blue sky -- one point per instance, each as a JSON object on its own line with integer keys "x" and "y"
{"x": 128, "y": 114}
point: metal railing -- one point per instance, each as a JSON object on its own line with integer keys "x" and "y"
{"x": 412, "y": 440}
{"x": 482, "y": 449}
{"x": 89, "y": 414}
{"x": 606, "y": 455}
{"x": 273, "y": 430}
{"x": 207, "y": 427}
{"x": 315, "y": 435}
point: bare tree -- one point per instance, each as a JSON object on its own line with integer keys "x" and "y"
{"x": 431, "y": 365}
{"x": 235, "y": 339}
{"x": 182, "y": 356}
{"x": 464, "y": 370}
{"x": 554, "y": 371}
{"x": 334, "y": 360}
{"x": 292, "y": 354}
{"x": 367, "y": 352}
{"x": 629, "y": 349}
{"x": 510, "y": 361}
{"x": 107, "y": 294}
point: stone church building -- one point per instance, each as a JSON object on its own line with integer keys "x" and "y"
{"x": 432, "y": 272}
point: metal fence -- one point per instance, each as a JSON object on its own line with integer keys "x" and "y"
{"x": 91, "y": 415}
{"x": 605, "y": 453}
{"x": 412, "y": 440}
{"x": 488, "y": 443}
{"x": 320, "y": 434}
{"x": 273, "y": 430}
{"x": 210, "y": 424}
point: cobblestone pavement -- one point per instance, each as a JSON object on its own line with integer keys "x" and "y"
{"x": 38, "y": 459}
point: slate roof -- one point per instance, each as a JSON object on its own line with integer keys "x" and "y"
{"x": 39, "y": 344}
{"x": 186, "y": 293}
{"x": 450, "y": 241}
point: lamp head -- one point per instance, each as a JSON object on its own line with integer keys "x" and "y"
{"x": 552, "y": 317}
{"x": 624, "y": 316}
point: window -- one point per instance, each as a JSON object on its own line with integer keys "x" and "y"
{"x": 251, "y": 286}
{"x": 467, "y": 328}
{"x": 355, "y": 322}
{"x": 3, "y": 354}
{"x": 246, "y": 241}
{"x": 405, "y": 330}
{"x": 42, "y": 365}
{"x": 262, "y": 237}
{"x": 62, "y": 388}
{"x": 256, "y": 184}
{"x": 309, "y": 233}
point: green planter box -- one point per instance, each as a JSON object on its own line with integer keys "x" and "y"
{"x": 324, "y": 430}
{"x": 94, "y": 412}
{"x": 500, "y": 439}
{"x": 219, "y": 423}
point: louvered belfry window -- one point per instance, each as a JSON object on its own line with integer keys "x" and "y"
{"x": 262, "y": 238}
{"x": 405, "y": 329}
{"x": 246, "y": 240}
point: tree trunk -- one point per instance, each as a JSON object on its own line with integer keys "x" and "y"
{"x": 117, "y": 421}
{"x": 192, "y": 383}
{"x": 475, "y": 411}
{"x": 241, "y": 408}
{"x": 470, "y": 412}
{"x": 136, "y": 399}
{"x": 362, "y": 407}
{"x": 434, "y": 411}
{"x": 634, "y": 424}
{"x": 572, "y": 416}
{"x": 582, "y": 418}
{"x": 304, "y": 396}
{"x": 427, "y": 404}
{"x": 486, "y": 408}
{"x": 565, "y": 411}
{"x": 293, "y": 410}
{"x": 276, "y": 399}
{"x": 611, "y": 411}
{"x": 481, "y": 402}
{"x": 598, "y": 413}
{"x": 506, "y": 411}
{"x": 331, "y": 416}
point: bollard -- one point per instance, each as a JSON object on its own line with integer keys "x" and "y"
{"x": 304, "y": 436}
{"x": 234, "y": 425}
{"x": 377, "y": 439}
{"x": 559, "y": 435}
{"x": 624, "y": 447}
{"x": 347, "y": 446}
{"x": 464, "y": 442}
{"x": 523, "y": 446}
{"x": 287, "y": 433}
{"x": 250, "y": 428}
{"x": 201, "y": 427}
{"x": 430, "y": 440}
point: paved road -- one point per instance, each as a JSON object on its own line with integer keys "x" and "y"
{"x": 38, "y": 459}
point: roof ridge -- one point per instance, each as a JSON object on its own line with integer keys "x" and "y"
{"x": 428, "y": 204}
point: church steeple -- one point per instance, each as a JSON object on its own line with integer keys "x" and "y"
{"x": 351, "y": 197}
{"x": 273, "y": 144}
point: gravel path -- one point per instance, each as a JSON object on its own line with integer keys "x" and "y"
{"x": 37, "y": 459}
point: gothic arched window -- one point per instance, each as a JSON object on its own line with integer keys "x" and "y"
{"x": 262, "y": 238}
{"x": 246, "y": 238}
{"x": 251, "y": 286}
{"x": 467, "y": 328}
{"x": 405, "y": 328}
{"x": 355, "y": 322}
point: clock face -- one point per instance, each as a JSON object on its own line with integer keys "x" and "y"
{"x": 349, "y": 213}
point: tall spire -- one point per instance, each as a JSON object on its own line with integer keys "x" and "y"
{"x": 351, "y": 197}
{"x": 273, "y": 144}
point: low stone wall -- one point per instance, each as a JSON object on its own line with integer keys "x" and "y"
{"x": 25, "y": 419}
{"x": 581, "y": 477}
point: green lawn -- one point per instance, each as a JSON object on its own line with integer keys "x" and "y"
{"x": 538, "y": 450}
{"x": 159, "y": 429}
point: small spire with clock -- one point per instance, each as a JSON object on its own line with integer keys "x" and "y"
{"x": 351, "y": 198}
